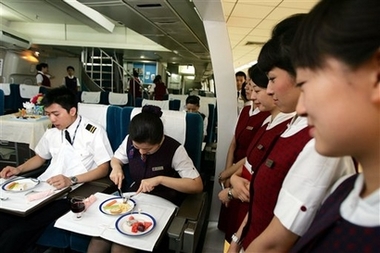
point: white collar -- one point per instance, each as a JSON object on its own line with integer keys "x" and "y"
{"x": 361, "y": 211}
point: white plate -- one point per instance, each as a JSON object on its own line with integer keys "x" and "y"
{"x": 119, "y": 202}
{"x": 20, "y": 185}
{"x": 123, "y": 227}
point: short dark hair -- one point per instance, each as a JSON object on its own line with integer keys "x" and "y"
{"x": 62, "y": 96}
{"x": 287, "y": 24}
{"x": 276, "y": 52}
{"x": 147, "y": 127}
{"x": 70, "y": 67}
{"x": 347, "y": 30}
{"x": 41, "y": 65}
{"x": 243, "y": 93}
{"x": 192, "y": 99}
{"x": 258, "y": 77}
{"x": 241, "y": 73}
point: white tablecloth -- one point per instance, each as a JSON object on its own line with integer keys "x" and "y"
{"x": 27, "y": 131}
{"x": 96, "y": 223}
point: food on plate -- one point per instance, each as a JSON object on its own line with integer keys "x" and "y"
{"x": 138, "y": 226}
{"x": 115, "y": 207}
{"x": 12, "y": 185}
{"x": 109, "y": 204}
{"x": 16, "y": 186}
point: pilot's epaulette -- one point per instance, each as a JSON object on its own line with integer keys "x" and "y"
{"x": 90, "y": 128}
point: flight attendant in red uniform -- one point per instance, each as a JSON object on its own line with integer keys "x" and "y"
{"x": 159, "y": 89}
{"x": 290, "y": 183}
{"x": 249, "y": 121}
{"x": 348, "y": 70}
{"x": 259, "y": 147}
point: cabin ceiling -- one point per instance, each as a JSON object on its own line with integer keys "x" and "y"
{"x": 173, "y": 24}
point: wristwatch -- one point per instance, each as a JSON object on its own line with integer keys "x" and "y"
{"x": 74, "y": 180}
{"x": 235, "y": 239}
{"x": 229, "y": 194}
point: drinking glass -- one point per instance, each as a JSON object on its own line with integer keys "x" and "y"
{"x": 77, "y": 206}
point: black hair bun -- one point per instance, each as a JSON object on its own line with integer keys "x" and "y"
{"x": 152, "y": 109}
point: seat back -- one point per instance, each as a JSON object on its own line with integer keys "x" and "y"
{"x": 211, "y": 125}
{"x": 16, "y": 100}
{"x": 114, "y": 126}
{"x": 194, "y": 136}
{"x": 97, "y": 113}
{"x": 207, "y": 107}
{"x": 1, "y": 102}
{"x": 8, "y": 101}
{"x": 186, "y": 128}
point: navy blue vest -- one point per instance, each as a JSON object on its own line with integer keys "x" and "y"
{"x": 71, "y": 84}
{"x": 156, "y": 164}
{"x": 329, "y": 232}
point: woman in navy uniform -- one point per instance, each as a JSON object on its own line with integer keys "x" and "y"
{"x": 158, "y": 164}
{"x": 259, "y": 146}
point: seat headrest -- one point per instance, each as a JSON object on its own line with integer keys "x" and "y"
{"x": 174, "y": 123}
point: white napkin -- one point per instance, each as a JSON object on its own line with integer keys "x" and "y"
{"x": 118, "y": 98}
{"x": 164, "y": 104}
{"x": 91, "y": 97}
{"x": 89, "y": 201}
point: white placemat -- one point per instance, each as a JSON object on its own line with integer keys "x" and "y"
{"x": 96, "y": 223}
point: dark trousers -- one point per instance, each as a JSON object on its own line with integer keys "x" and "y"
{"x": 17, "y": 234}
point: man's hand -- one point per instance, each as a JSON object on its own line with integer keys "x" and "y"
{"x": 148, "y": 184}
{"x": 9, "y": 171}
{"x": 59, "y": 181}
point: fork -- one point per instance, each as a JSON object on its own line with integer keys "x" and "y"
{"x": 122, "y": 196}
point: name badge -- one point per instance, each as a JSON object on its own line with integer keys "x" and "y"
{"x": 269, "y": 163}
{"x": 249, "y": 128}
{"x": 158, "y": 168}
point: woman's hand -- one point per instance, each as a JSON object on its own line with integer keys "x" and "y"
{"x": 223, "y": 196}
{"x": 148, "y": 184}
{"x": 117, "y": 176}
{"x": 234, "y": 248}
{"x": 224, "y": 179}
{"x": 241, "y": 188}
